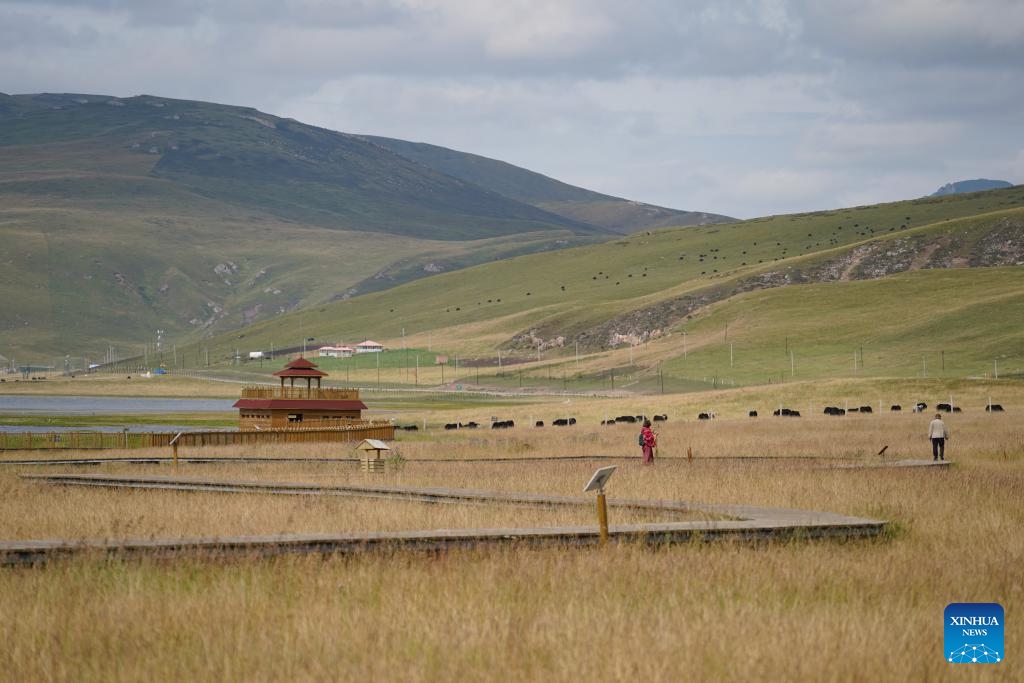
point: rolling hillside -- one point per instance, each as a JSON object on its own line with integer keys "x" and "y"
{"x": 231, "y": 230}
{"x": 568, "y": 201}
{"x": 121, "y": 216}
{"x": 891, "y": 282}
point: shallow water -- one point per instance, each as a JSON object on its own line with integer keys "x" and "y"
{"x": 100, "y": 405}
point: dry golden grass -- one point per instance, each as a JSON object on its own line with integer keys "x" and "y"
{"x": 857, "y": 610}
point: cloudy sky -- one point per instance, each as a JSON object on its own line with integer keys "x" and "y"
{"x": 746, "y": 107}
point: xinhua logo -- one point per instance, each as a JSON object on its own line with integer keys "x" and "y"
{"x": 974, "y": 633}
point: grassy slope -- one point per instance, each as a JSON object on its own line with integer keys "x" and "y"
{"x": 283, "y": 167}
{"x": 64, "y": 202}
{"x": 473, "y": 312}
{"x": 925, "y": 323}
{"x": 108, "y": 242}
{"x": 551, "y": 195}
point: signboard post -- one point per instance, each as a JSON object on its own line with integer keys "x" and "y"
{"x": 596, "y": 483}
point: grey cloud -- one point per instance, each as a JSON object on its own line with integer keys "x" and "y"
{"x": 741, "y": 107}
{"x": 920, "y": 35}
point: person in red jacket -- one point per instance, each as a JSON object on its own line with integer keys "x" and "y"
{"x": 649, "y": 443}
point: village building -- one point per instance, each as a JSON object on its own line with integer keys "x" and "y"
{"x": 294, "y": 406}
{"x": 369, "y": 346}
{"x": 335, "y": 351}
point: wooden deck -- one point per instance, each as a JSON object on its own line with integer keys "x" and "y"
{"x": 893, "y": 464}
{"x": 318, "y": 432}
{"x": 742, "y": 522}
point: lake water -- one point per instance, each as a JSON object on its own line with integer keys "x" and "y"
{"x": 101, "y": 405}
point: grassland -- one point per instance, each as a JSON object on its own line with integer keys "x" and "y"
{"x": 195, "y": 217}
{"x": 693, "y": 612}
{"x": 888, "y": 282}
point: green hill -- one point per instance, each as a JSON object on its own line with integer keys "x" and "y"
{"x": 231, "y": 230}
{"x": 822, "y": 285}
{"x": 250, "y": 159}
{"x": 568, "y": 201}
{"x": 123, "y": 216}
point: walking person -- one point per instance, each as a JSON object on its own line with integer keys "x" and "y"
{"x": 648, "y": 442}
{"x": 938, "y": 433}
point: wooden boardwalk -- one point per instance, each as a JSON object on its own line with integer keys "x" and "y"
{"x": 893, "y": 464}
{"x": 741, "y": 522}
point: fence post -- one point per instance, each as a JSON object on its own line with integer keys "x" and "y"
{"x": 174, "y": 450}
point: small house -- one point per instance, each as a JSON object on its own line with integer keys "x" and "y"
{"x": 369, "y": 346}
{"x": 335, "y": 351}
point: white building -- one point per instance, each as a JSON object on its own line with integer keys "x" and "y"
{"x": 369, "y": 346}
{"x": 335, "y": 351}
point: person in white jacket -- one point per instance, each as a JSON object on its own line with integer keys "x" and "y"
{"x": 938, "y": 433}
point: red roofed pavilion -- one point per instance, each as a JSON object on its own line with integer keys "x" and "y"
{"x": 290, "y": 406}
{"x": 300, "y": 367}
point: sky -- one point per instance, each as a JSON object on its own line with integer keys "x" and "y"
{"x": 745, "y": 108}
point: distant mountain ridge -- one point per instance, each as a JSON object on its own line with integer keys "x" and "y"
{"x": 121, "y": 216}
{"x": 976, "y": 185}
{"x": 570, "y": 202}
{"x": 291, "y": 170}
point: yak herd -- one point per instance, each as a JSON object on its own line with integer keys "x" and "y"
{"x": 706, "y": 415}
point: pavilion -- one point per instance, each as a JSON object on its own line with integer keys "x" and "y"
{"x": 297, "y": 406}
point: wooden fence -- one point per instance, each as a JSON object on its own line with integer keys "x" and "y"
{"x": 25, "y": 441}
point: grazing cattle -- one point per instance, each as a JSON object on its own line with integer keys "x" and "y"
{"x": 785, "y": 412}
{"x": 895, "y": 408}
{"x": 752, "y": 413}
{"x": 919, "y": 406}
{"x": 410, "y": 428}
{"x": 503, "y": 424}
{"x": 560, "y": 422}
{"x": 703, "y": 416}
{"x": 832, "y": 410}
{"x": 470, "y": 425}
{"x": 626, "y": 418}
{"x": 608, "y": 422}
{"x": 452, "y": 425}
{"x": 865, "y": 409}
{"x": 538, "y": 423}
{"x": 993, "y": 408}
{"x": 660, "y": 418}
{"x": 944, "y": 407}
{"x": 956, "y": 409}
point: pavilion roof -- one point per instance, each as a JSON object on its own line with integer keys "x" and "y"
{"x": 300, "y": 367}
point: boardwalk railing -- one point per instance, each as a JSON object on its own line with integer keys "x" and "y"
{"x": 17, "y": 441}
{"x": 301, "y": 392}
